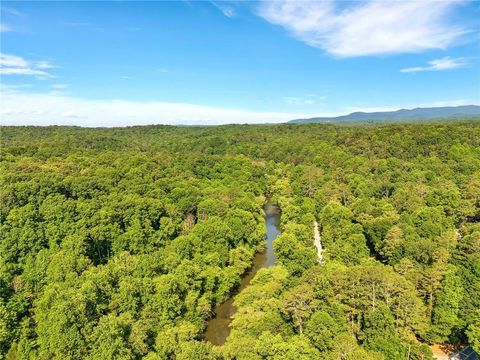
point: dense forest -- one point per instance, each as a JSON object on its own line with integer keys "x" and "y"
{"x": 118, "y": 243}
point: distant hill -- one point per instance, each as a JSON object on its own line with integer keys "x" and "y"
{"x": 403, "y": 114}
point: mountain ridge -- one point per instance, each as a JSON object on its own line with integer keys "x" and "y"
{"x": 401, "y": 114}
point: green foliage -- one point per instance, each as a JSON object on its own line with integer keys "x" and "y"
{"x": 291, "y": 253}
{"x": 445, "y": 318}
{"x": 473, "y": 332}
{"x": 379, "y": 333}
{"x": 322, "y": 329}
{"x": 118, "y": 243}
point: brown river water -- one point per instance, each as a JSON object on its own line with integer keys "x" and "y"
{"x": 218, "y": 327}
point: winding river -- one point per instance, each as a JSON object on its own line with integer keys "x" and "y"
{"x": 218, "y": 328}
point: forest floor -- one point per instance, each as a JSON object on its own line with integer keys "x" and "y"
{"x": 318, "y": 243}
{"x": 440, "y": 352}
{"x": 452, "y": 352}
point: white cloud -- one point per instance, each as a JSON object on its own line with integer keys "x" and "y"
{"x": 22, "y": 112}
{"x": 59, "y": 86}
{"x": 44, "y": 65}
{"x": 74, "y": 115}
{"x": 22, "y": 108}
{"x": 24, "y": 71}
{"x": 458, "y": 102}
{"x": 227, "y": 10}
{"x": 12, "y": 61}
{"x": 28, "y": 108}
{"x": 11, "y": 88}
{"x": 16, "y": 65}
{"x": 445, "y": 63}
{"x": 11, "y": 11}
{"x": 368, "y": 27}
{"x": 5, "y": 28}
{"x": 310, "y": 99}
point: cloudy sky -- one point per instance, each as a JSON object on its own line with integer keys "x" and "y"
{"x": 190, "y": 62}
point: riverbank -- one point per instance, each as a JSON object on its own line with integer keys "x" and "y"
{"x": 218, "y": 327}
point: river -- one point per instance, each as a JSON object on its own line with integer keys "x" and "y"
{"x": 218, "y": 327}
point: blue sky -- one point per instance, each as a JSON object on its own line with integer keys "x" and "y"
{"x": 190, "y": 62}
